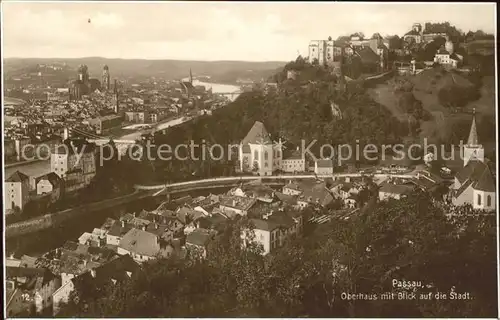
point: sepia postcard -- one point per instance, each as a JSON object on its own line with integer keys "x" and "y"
{"x": 216, "y": 159}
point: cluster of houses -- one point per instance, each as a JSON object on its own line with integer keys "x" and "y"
{"x": 39, "y": 286}
{"x": 73, "y": 165}
{"x": 115, "y": 251}
{"x": 43, "y": 120}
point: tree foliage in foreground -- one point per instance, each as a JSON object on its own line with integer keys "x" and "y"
{"x": 406, "y": 240}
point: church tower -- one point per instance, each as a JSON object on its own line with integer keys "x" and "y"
{"x": 117, "y": 102}
{"x": 105, "y": 78}
{"x": 473, "y": 150}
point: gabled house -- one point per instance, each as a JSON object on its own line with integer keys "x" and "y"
{"x": 427, "y": 181}
{"x": 272, "y": 230}
{"x": 286, "y": 199}
{"x": 143, "y": 246}
{"x": 51, "y": 184}
{"x": 197, "y": 241}
{"x": 17, "y": 188}
{"x": 234, "y": 205}
{"x": 116, "y": 232}
{"x": 115, "y": 271}
{"x": 396, "y": 163}
{"x": 294, "y": 162}
{"x": 29, "y": 289}
{"x": 292, "y": 189}
{"x": 323, "y": 166}
{"x": 254, "y": 190}
{"x": 447, "y": 59}
{"x": 309, "y": 193}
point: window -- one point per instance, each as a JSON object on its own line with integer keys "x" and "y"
{"x": 266, "y": 155}
{"x": 488, "y": 200}
{"x": 256, "y": 154}
{"x": 478, "y": 199}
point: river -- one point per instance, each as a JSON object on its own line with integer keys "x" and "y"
{"x": 31, "y": 169}
{"x": 218, "y": 88}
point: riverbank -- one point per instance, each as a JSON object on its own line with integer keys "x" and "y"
{"x": 31, "y": 169}
{"x": 21, "y": 163}
{"x": 52, "y": 219}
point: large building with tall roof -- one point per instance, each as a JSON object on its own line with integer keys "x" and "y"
{"x": 17, "y": 188}
{"x": 474, "y": 184}
{"x": 258, "y": 153}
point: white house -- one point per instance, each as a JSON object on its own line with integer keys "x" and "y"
{"x": 17, "y": 188}
{"x": 142, "y": 246}
{"x": 116, "y": 232}
{"x": 292, "y": 189}
{"x": 234, "y": 205}
{"x": 323, "y": 166}
{"x": 272, "y": 230}
{"x": 447, "y": 59}
{"x": 51, "y": 184}
{"x": 296, "y": 162}
{"x": 61, "y": 295}
{"x": 75, "y": 160}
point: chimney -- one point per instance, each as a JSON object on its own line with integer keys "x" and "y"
{"x": 143, "y": 227}
{"x": 84, "y": 263}
{"x": 134, "y": 214}
{"x": 123, "y": 223}
{"x": 93, "y": 273}
{"x": 66, "y": 134}
{"x": 156, "y": 226}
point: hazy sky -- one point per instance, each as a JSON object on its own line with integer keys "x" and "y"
{"x": 211, "y": 31}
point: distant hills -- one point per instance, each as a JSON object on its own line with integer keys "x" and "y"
{"x": 226, "y": 71}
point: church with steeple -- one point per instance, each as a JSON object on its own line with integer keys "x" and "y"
{"x": 474, "y": 184}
